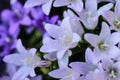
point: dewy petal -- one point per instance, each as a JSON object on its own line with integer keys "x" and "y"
{"x": 14, "y": 59}
{"x": 20, "y": 47}
{"x": 104, "y": 8}
{"x": 54, "y": 31}
{"x": 92, "y": 39}
{"x": 47, "y": 7}
{"x": 22, "y": 73}
{"x": 89, "y": 7}
{"x": 115, "y": 38}
{"x": 105, "y": 32}
{"x": 59, "y": 3}
{"x": 117, "y": 8}
{"x": 32, "y": 3}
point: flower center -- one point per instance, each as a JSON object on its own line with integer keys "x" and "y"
{"x": 117, "y": 24}
{"x": 29, "y": 61}
{"x": 112, "y": 73}
{"x": 66, "y": 40}
{"x": 103, "y": 46}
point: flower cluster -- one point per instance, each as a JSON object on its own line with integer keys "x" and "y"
{"x": 63, "y": 39}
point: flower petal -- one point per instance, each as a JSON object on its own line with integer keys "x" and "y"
{"x": 92, "y": 39}
{"x": 59, "y": 3}
{"x": 105, "y": 32}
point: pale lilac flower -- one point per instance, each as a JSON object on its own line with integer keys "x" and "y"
{"x": 113, "y": 18}
{"x": 111, "y": 69}
{"x": 46, "y": 5}
{"x": 26, "y": 59}
{"x": 89, "y": 16}
{"x": 64, "y": 38}
{"x": 104, "y": 43}
{"x": 75, "y": 22}
{"x": 76, "y": 5}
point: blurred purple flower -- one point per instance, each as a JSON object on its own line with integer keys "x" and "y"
{"x": 7, "y": 40}
{"x": 40, "y": 18}
{"x": 18, "y": 15}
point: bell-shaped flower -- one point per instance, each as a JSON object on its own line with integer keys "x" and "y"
{"x": 89, "y": 16}
{"x": 46, "y": 5}
{"x": 111, "y": 69}
{"x": 76, "y": 5}
{"x": 89, "y": 67}
{"x": 104, "y": 44}
{"x": 75, "y": 22}
{"x": 26, "y": 59}
{"x": 62, "y": 38}
{"x": 113, "y": 18}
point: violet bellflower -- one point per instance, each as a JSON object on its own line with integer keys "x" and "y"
{"x": 26, "y": 59}
{"x": 105, "y": 43}
{"x": 75, "y": 22}
{"x": 46, "y": 5}
{"x": 113, "y": 18}
{"x": 40, "y": 19}
{"x": 18, "y": 15}
{"x": 89, "y": 16}
{"x": 64, "y": 38}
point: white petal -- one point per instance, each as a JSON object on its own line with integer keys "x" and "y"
{"x": 105, "y": 32}
{"x": 54, "y": 31}
{"x": 75, "y": 40}
{"x": 61, "y": 53}
{"x": 50, "y": 46}
{"x": 59, "y": 3}
{"x": 60, "y": 73}
{"x": 66, "y": 25}
{"x": 63, "y": 63}
{"x": 115, "y": 38}
{"x": 89, "y": 7}
{"x": 47, "y": 7}
{"x": 77, "y": 5}
{"x": 109, "y": 16}
{"x": 20, "y": 47}
{"x": 92, "y": 39}
{"x": 32, "y": 51}
{"x": 14, "y": 59}
{"x": 32, "y": 3}
{"x": 105, "y": 8}
{"x": 117, "y": 7}
{"x": 22, "y": 73}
